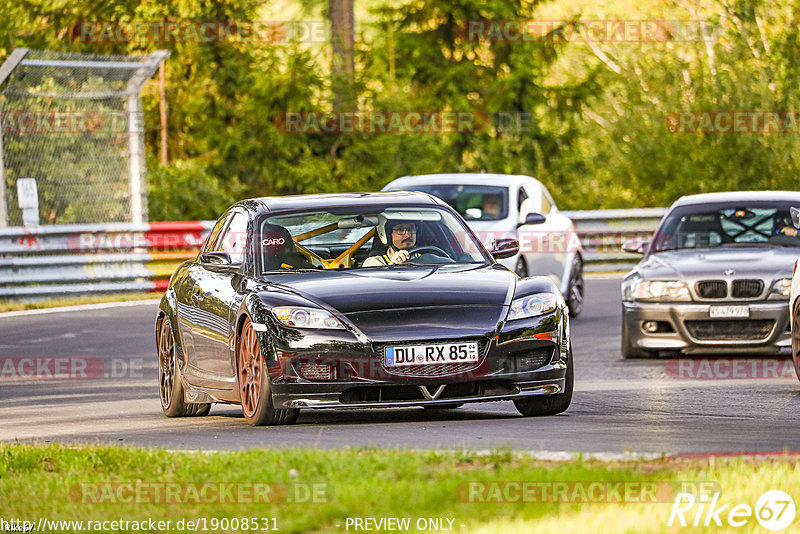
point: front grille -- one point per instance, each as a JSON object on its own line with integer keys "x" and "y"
{"x": 413, "y": 393}
{"x": 712, "y": 289}
{"x": 730, "y": 330}
{"x": 747, "y": 289}
{"x": 436, "y": 369}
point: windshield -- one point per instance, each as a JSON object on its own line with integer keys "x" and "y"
{"x": 727, "y": 225}
{"x": 473, "y": 202}
{"x": 364, "y": 238}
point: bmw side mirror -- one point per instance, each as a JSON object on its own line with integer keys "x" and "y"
{"x": 505, "y": 248}
{"x": 216, "y": 258}
{"x": 795, "y": 216}
{"x": 635, "y": 246}
{"x": 533, "y": 218}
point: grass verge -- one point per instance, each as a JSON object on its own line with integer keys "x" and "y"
{"x": 8, "y": 306}
{"x": 317, "y": 491}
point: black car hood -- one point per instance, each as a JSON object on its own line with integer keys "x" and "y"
{"x": 392, "y": 288}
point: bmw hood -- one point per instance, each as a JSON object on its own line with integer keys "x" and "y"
{"x": 761, "y": 262}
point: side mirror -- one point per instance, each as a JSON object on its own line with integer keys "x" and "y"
{"x": 533, "y": 218}
{"x": 795, "y": 216}
{"x": 635, "y": 246}
{"x": 505, "y": 248}
{"x": 215, "y": 258}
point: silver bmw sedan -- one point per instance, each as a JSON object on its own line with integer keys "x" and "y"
{"x": 715, "y": 278}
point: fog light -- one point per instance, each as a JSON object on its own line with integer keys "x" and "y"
{"x": 651, "y": 327}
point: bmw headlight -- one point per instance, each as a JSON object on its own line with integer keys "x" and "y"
{"x": 665, "y": 290}
{"x": 781, "y": 289}
{"x": 306, "y": 318}
{"x": 532, "y": 306}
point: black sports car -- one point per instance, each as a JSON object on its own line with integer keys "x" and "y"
{"x": 357, "y": 300}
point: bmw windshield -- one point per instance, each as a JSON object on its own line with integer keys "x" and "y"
{"x": 742, "y": 224}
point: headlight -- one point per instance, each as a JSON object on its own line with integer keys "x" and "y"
{"x": 306, "y": 317}
{"x": 532, "y": 306}
{"x": 661, "y": 290}
{"x": 781, "y": 288}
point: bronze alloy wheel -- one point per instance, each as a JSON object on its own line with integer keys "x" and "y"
{"x": 166, "y": 365}
{"x": 250, "y": 369}
{"x": 169, "y": 376}
{"x": 253, "y": 378}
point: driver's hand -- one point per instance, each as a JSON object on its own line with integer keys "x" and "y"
{"x": 788, "y": 230}
{"x": 400, "y": 256}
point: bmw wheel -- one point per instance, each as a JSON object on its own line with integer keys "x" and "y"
{"x": 253, "y": 379}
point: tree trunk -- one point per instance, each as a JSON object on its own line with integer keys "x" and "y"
{"x": 342, "y": 63}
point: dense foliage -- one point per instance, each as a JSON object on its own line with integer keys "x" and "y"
{"x": 590, "y": 119}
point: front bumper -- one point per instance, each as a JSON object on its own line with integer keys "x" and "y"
{"x": 489, "y": 391}
{"x": 525, "y": 358}
{"x": 771, "y": 340}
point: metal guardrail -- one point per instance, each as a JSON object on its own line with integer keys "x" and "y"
{"x": 108, "y": 258}
{"x": 602, "y": 233}
{"x": 78, "y": 259}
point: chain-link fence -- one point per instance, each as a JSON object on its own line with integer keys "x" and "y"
{"x": 73, "y": 122}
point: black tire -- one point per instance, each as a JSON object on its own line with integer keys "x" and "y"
{"x": 450, "y": 406}
{"x": 252, "y": 377}
{"x": 550, "y": 404}
{"x": 521, "y": 268}
{"x": 170, "y": 385}
{"x": 629, "y": 351}
{"x": 574, "y": 294}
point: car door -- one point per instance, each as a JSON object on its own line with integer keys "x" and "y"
{"x": 187, "y": 309}
{"x": 216, "y": 298}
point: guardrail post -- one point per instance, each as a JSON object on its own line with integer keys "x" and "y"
{"x": 5, "y": 70}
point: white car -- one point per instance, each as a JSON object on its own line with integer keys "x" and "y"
{"x": 502, "y": 206}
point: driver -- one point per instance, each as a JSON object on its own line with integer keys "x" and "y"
{"x": 400, "y": 236}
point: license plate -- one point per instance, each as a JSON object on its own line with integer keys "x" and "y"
{"x": 729, "y": 311}
{"x": 399, "y": 356}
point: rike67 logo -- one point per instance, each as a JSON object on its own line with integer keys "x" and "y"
{"x": 774, "y": 510}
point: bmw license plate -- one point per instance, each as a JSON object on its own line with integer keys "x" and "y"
{"x": 729, "y": 311}
{"x": 399, "y": 356}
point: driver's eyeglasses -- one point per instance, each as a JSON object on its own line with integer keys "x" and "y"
{"x": 405, "y": 230}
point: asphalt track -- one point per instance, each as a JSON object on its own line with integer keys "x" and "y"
{"x": 619, "y": 406}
